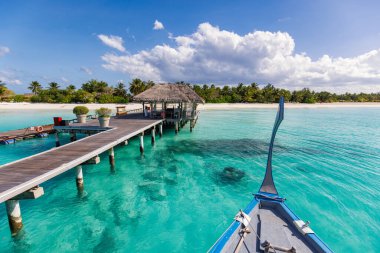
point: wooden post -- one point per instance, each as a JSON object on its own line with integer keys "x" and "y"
{"x": 14, "y": 216}
{"x": 160, "y": 128}
{"x": 79, "y": 179}
{"x": 176, "y": 127}
{"x": 125, "y": 143}
{"x": 73, "y": 136}
{"x": 57, "y": 143}
{"x": 153, "y": 135}
{"x": 142, "y": 142}
{"x": 191, "y": 125}
{"x": 111, "y": 154}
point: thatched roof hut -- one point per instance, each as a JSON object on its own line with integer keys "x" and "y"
{"x": 169, "y": 93}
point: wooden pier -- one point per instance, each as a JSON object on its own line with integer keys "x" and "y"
{"x": 26, "y": 133}
{"x": 170, "y": 104}
{"x": 20, "y": 179}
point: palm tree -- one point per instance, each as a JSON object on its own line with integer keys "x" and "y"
{"x": 70, "y": 88}
{"x": 53, "y": 86}
{"x": 148, "y": 85}
{"x": 95, "y": 86}
{"x": 35, "y": 87}
{"x": 120, "y": 90}
{"x": 136, "y": 86}
{"x": 2, "y": 88}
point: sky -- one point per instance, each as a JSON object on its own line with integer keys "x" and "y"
{"x": 322, "y": 45}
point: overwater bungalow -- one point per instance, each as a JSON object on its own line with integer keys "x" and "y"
{"x": 176, "y": 103}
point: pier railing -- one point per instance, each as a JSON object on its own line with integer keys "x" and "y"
{"x": 94, "y": 116}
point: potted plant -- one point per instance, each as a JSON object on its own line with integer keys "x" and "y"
{"x": 81, "y": 112}
{"x": 104, "y": 115}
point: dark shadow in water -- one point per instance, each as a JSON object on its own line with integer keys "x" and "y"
{"x": 112, "y": 170}
{"x": 107, "y": 243}
{"x": 236, "y": 148}
{"x": 229, "y": 175}
{"x": 123, "y": 217}
{"x": 20, "y": 242}
{"x": 115, "y": 209}
{"x": 301, "y": 169}
{"x": 153, "y": 190}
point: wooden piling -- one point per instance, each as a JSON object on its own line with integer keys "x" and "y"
{"x": 14, "y": 216}
{"x": 57, "y": 143}
{"x": 153, "y": 135}
{"x": 79, "y": 178}
{"x": 73, "y": 136}
{"x": 111, "y": 154}
{"x": 176, "y": 127}
{"x": 142, "y": 142}
{"x": 160, "y": 129}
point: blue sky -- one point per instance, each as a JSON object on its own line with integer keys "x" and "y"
{"x": 222, "y": 42}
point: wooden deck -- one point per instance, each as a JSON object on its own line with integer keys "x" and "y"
{"x": 20, "y": 176}
{"x": 24, "y": 133}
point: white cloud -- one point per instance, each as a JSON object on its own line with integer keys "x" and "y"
{"x": 112, "y": 41}
{"x": 86, "y": 70}
{"x": 4, "y": 50}
{"x": 64, "y": 79}
{"x": 211, "y": 55}
{"x": 158, "y": 25}
{"x": 9, "y": 77}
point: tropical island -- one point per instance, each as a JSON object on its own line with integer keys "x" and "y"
{"x": 101, "y": 92}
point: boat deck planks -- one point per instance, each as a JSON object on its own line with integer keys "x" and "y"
{"x": 19, "y": 176}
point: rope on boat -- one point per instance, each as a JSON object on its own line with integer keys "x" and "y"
{"x": 245, "y": 221}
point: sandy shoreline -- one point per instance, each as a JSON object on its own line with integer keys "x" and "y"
{"x": 41, "y": 106}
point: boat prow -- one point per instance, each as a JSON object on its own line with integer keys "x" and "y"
{"x": 267, "y": 224}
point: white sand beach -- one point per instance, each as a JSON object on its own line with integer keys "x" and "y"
{"x": 131, "y": 106}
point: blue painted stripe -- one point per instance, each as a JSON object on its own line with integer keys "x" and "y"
{"x": 219, "y": 245}
{"x": 313, "y": 237}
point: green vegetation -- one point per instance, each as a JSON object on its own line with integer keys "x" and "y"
{"x": 3, "y": 88}
{"x": 103, "y": 112}
{"x": 80, "y": 110}
{"x": 5, "y": 93}
{"x": 269, "y": 94}
{"x": 35, "y": 87}
{"x": 95, "y": 91}
{"x": 92, "y": 91}
{"x": 137, "y": 86}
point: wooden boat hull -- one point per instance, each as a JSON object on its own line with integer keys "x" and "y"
{"x": 271, "y": 221}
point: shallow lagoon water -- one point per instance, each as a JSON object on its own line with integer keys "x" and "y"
{"x": 175, "y": 198}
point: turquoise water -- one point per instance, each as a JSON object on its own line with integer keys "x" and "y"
{"x": 175, "y": 199}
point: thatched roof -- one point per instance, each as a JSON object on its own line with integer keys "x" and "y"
{"x": 170, "y": 93}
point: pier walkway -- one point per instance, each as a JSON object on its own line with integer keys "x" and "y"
{"x": 22, "y": 175}
{"x": 25, "y": 133}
